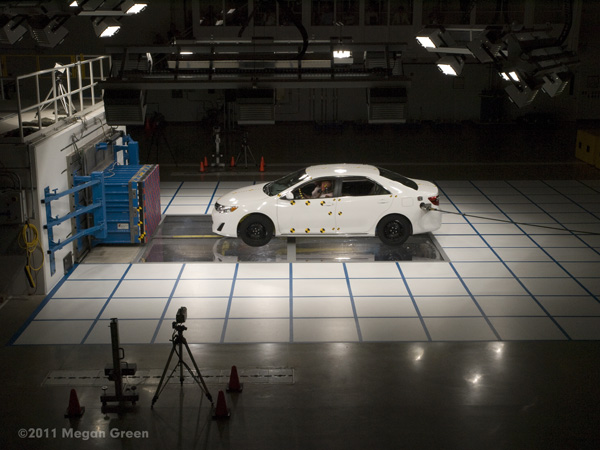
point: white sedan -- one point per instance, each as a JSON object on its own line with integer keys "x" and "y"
{"x": 330, "y": 200}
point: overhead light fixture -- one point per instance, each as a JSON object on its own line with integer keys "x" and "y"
{"x": 342, "y": 56}
{"x": 48, "y": 32}
{"x": 521, "y": 96}
{"x": 514, "y": 76}
{"x": 11, "y": 29}
{"x": 130, "y": 7}
{"x": 451, "y": 65}
{"x": 74, "y": 5}
{"x": 555, "y": 83}
{"x": 430, "y": 37}
{"x": 342, "y": 53}
{"x": 504, "y": 76}
{"x": 107, "y": 27}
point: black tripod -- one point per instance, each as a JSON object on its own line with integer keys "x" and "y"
{"x": 178, "y": 342}
{"x": 245, "y": 150}
{"x": 158, "y": 125}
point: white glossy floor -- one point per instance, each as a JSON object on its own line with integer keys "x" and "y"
{"x": 504, "y": 281}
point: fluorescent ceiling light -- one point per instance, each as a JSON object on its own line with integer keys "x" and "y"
{"x": 186, "y": 53}
{"x": 504, "y": 76}
{"x": 514, "y": 76}
{"x": 219, "y": 22}
{"x": 74, "y": 5}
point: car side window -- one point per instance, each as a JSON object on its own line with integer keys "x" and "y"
{"x": 321, "y": 188}
{"x": 361, "y": 188}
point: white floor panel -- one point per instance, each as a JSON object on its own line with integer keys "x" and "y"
{"x": 145, "y": 288}
{"x": 388, "y": 286}
{"x": 134, "y": 308}
{"x": 581, "y": 328}
{"x": 130, "y": 332}
{"x": 320, "y": 287}
{"x": 383, "y": 307}
{"x": 74, "y": 308}
{"x": 99, "y": 271}
{"x": 459, "y": 329}
{"x": 323, "y": 307}
{"x": 259, "y": 307}
{"x": 198, "y": 308}
{"x": 325, "y": 330}
{"x": 570, "y": 305}
{"x": 257, "y": 330}
{"x": 391, "y": 329}
{"x": 509, "y": 305}
{"x": 86, "y": 289}
{"x": 527, "y": 328}
{"x": 448, "y": 306}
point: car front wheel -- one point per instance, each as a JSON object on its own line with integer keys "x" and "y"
{"x": 255, "y": 230}
{"x": 394, "y": 229}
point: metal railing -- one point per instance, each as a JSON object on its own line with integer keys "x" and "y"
{"x": 78, "y": 80}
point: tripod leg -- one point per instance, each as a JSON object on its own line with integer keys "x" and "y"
{"x": 162, "y": 378}
{"x": 199, "y": 378}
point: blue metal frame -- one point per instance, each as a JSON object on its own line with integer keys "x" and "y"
{"x": 98, "y": 207}
{"x": 130, "y": 149}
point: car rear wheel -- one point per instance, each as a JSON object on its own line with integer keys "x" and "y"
{"x": 394, "y": 229}
{"x": 255, "y": 230}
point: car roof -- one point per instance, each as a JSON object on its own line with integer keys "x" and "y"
{"x": 324, "y": 170}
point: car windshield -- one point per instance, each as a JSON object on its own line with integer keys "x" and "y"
{"x": 399, "y": 178}
{"x": 277, "y": 186}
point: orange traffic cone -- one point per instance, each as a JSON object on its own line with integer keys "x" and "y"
{"x": 74, "y": 410}
{"x": 221, "y": 411}
{"x": 205, "y": 161}
{"x": 201, "y": 166}
{"x": 232, "y": 164}
{"x": 261, "y": 168}
{"x": 234, "y": 384}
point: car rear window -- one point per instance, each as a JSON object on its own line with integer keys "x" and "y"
{"x": 398, "y": 178}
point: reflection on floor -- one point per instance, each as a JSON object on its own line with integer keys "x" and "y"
{"x": 535, "y": 278}
{"x": 189, "y": 239}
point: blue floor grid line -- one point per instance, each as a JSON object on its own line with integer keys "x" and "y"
{"x": 507, "y": 279}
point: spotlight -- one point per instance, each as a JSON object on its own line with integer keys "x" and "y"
{"x": 555, "y": 83}
{"x": 430, "y": 37}
{"x": 106, "y": 27}
{"x": 48, "y": 32}
{"x": 130, "y": 7}
{"x": 521, "y": 96}
{"x": 451, "y": 65}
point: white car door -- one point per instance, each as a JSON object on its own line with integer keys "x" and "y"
{"x": 360, "y": 205}
{"x": 311, "y": 212}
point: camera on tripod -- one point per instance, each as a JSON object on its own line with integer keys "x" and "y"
{"x": 180, "y": 317}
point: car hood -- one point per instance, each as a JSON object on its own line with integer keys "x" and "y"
{"x": 244, "y": 195}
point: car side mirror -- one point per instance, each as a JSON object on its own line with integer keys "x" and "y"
{"x": 289, "y": 196}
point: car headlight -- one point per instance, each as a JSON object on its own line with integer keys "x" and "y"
{"x": 225, "y": 209}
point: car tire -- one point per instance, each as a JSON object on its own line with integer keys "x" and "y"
{"x": 255, "y": 230}
{"x": 394, "y": 229}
